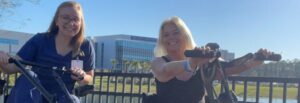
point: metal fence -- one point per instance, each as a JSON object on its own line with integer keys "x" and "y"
{"x": 113, "y": 87}
{"x": 120, "y": 87}
{"x": 271, "y": 81}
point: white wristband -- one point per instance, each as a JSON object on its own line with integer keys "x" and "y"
{"x": 187, "y": 66}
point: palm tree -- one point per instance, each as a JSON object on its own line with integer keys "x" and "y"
{"x": 125, "y": 65}
{"x": 145, "y": 65}
{"x": 135, "y": 65}
{"x": 113, "y": 62}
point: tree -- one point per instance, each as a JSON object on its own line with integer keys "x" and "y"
{"x": 284, "y": 68}
{"x": 145, "y": 65}
{"x": 7, "y": 10}
{"x": 125, "y": 65}
{"x": 134, "y": 65}
{"x": 113, "y": 63}
{"x": 297, "y": 68}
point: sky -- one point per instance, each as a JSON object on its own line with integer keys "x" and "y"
{"x": 239, "y": 26}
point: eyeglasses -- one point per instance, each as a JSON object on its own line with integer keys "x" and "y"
{"x": 68, "y": 19}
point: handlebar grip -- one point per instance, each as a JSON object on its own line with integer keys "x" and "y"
{"x": 194, "y": 53}
{"x": 213, "y": 46}
{"x": 273, "y": 57}
{"x": 11, "y": 60}
{"x": 81, "y": 78}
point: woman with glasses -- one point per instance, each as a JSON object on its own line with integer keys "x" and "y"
{"x": 63, "y": 45}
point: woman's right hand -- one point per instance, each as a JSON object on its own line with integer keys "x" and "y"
{"x": 198, "y": 61}
{"x": 3, "y": 58}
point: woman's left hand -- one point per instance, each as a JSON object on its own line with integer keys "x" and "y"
{"x": 255, "y": 62}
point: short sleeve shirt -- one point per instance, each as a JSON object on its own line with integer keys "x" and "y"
{"x": 41, "y": 49}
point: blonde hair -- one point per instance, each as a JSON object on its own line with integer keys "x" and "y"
{"x": 160, "y": 50}
{"x": 78, "y": 38}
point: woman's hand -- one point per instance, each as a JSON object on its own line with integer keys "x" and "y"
{"x": 255, "y": 62}
{"x": 265, "y": 52}
{"x": 198, "y": 61}
{"x": 77, "y": 74}
{"x": 4, "y": 64}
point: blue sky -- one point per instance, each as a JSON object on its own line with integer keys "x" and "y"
{"x": 240, "y": 26}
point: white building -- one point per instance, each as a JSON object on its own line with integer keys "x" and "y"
{"x": 121, "y": 48}
{"x": 11, "y": 41}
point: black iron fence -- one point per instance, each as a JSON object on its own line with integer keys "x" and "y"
{"x": 128, "y": 87}
{"x": 283, "y": 83}
{"x": 120, "y": 87}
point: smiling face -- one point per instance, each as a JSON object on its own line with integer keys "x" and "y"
{"x": 173, "y": 39}
{"x": 69, "y": 21}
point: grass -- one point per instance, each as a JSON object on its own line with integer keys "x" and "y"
{"x": 264, "y": 91}
{"x": 239, "y": 89}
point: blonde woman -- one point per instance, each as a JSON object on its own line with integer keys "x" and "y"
{"x": 172, "y": 79}
{"x": 178, "y": 78}
{"x": 58, "y": 47}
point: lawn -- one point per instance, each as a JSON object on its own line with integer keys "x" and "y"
{"x": 264, "y": 91}
{"x": 251, "y": 91}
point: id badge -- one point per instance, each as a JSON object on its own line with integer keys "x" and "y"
{"x": 78, "y": 64}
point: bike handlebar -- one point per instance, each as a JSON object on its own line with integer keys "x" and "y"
{"x": 11, "y": 60}
{"x": 31, "y": 79}
{"x": 272, "y": 57}
{"x": 240, "y": 60}
{"x": 211, "y": 54}
{"x": 49, "y": 97}
{"x": 197, "y": 53}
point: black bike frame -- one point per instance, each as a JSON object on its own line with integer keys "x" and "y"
{"x": 209, "y": 71}
{"x": 212, "y": 95}
{"x": 49, "y": 97}
{"x": 224, "y": 81}
{"x": 224, "y": 78}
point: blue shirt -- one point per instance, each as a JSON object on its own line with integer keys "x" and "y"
{"x": 41, "y": 49}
